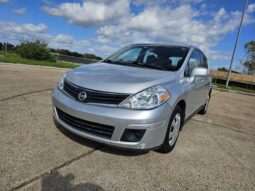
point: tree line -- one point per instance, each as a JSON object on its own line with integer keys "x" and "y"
{"x": 39, "y": 50}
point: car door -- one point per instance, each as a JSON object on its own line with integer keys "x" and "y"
{"x": 204, "y": 80}
{"x": 195, "y": 84}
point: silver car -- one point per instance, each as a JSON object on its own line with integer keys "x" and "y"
{"x": 138, "y": 98}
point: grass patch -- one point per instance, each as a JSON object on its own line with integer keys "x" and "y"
{"x": 13, "y": 57}
{"x": 235, "y": 88}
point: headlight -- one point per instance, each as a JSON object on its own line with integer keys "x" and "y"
{"x": 61, "y": 82}
{"x": 147, "y": 99}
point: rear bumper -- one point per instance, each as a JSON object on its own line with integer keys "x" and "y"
{"x": 154, "y": 121}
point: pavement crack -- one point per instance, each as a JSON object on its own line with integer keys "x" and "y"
{"x": 23, "y": 94}
{"x": 53, "y": 170}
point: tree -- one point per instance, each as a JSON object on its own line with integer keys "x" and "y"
{"x": 249, "y": 62}
{"x": 66, "y": 52}
{"x": 6, "y": 46}
{"x": 92, "y": 56}
{"x": 34, "y": 50}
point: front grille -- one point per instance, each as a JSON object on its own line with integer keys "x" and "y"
{"x": 94, "y": 96}
{"x": 89, "y": 127}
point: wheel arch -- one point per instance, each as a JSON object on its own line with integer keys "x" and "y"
{"x": 182, "y": 104}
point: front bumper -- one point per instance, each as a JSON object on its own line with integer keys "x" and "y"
{"x": 155, "y": 121}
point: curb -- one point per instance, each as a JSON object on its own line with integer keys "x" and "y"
{"x": 225, "y": 90}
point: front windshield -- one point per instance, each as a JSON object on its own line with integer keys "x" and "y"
{"x": 150, "y": 56}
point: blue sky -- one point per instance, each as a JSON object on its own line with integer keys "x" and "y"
{"x": 103, "y": 26}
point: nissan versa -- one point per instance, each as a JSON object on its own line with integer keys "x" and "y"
{"x": 137, "y": 98}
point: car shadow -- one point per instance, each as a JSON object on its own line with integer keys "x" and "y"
{"x": 56, "y": 181}
{"x": 98, "y": 146}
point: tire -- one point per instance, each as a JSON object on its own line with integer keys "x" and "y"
{"x": 172, "y": 133}
{"x": 205, "y": 107}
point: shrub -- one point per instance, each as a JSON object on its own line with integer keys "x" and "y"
{"x": 34, "y": 50}
{"x": 92, "y": 56}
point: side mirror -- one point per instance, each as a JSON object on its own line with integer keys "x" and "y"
{"x": 199, "y": 71}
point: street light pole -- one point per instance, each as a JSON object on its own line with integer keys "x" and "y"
{"x": 237, "y": 39}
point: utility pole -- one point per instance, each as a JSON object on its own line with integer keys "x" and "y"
{"x": 5, "y": 46}
{"x": 237, "y": 39}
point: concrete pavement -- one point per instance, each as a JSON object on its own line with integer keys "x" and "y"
{"x": 214, "y": 152}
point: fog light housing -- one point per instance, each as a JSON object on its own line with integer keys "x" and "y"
{"x": 132, "y": 135}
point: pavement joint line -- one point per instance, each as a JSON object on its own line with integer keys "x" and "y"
{"x": 226, "y": 127}
{"x": 23, "y": 94}
{"x": 234, "y": 91}
{"x": 30, "y": 65}
{"x": 55, "y": 169}
{"x": 216, "y": 94}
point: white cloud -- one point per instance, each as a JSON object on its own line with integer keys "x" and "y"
{"x": 63, "y": 38}
{"x": 156, "y": 22}
{"x": 153, "y": 21}
{"x": 48, "y": 2}
{"x": 160, "y": 2}
{"x": 91, "y": 13}
{"x": 190, "y": 1}
{"x": 179, "y": 24}
{"x": 251, "y": 8}
{"x": 20, "y": 11}
{"x": 219, "y": 55}
{"x": 11, "y": 27}
{"x": 220, "y": 14}
{"x": 107, "y": 49}
{"x": 69, "y": 42}
{"x": 4, "y": 1}
{"x": 15, "y": 33}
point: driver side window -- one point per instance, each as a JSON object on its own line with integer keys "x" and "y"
{"x": 194, "y": 62}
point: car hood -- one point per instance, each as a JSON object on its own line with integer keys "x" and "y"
{"x": 117, "y": 78}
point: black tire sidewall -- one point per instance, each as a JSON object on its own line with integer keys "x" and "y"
{"x": 166, "y": 148}
{"x": 204, "y": 109}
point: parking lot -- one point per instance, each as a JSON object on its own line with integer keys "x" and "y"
{"x": 214, "y": 152}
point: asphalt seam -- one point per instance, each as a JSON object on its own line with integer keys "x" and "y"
{"x": 55, "y": 169}
{"x": 226, "y": 127}
{"x": 23, "y": 94}
{"x": 35, "y": 66}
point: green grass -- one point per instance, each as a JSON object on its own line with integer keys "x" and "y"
{"x": 235, "y": 88}
{"x": 12, "y": 57}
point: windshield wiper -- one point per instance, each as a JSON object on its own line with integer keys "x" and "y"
{"x": 114, "y": 62}
{"x": 108, "y": 61}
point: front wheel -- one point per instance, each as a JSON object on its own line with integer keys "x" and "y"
{"x": 205, "y": 107}
{"x": 173, "y": 130}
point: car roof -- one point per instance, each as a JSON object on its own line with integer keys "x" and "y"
{"x": 166, "y": 44}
